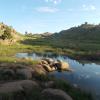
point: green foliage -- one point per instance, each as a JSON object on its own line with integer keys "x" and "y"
{"x": 85, "y": 37}
{"x": 6, "y": 34}
{"x": 76, "y": 94}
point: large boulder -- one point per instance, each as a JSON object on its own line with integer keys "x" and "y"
{"x": 38, "y": 69}
{"x": 17, "y": 86}
{"x": 52, "y": 65}
{"x": 49, "y": 84}
{"x": 28, "y": 85}
{"x": 48, "y": 60}
{"x": 61, "y": 65}
{"x": 26, "y": 73}
{"x": 7, "y": 73}
{"x": 64, "y": 66}
{"x": 47, "y": 67}
{"x": 55, "y": 94}
{"x": 43, "y": 62}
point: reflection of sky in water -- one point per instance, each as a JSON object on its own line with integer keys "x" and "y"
{"x": 86, "y": 76}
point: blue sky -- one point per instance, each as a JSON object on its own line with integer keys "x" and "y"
{"x": 39, "y": 16}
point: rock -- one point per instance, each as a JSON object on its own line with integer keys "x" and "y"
{"x": 52, "y": 65}
{"x": 53, "y": 68}
{"x": 8, "y": 73}
{"x": 49, "y": 84}
{"x": 10, "y": 88}
{"x": 57, "y": 66}
{"x": 43, "y": 62}
{"x": 47, "y": 68}
{"x": 65, "y": 66}
{"x": 25, "y": 72}
{"x": 28, "y": 85}
{"x": 62, "y": 65}
{"x": 3, "y": 65}
{"x": 38, "y": 69}
{"x": 48, "y": 60}
{"x": 18, "y": 86}
{"x": 55, "y": 94}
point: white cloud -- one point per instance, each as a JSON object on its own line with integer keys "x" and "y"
{"x": 47, "y": 9}
{"x": 88, "y": 8}
{"x": 53, "y": 1}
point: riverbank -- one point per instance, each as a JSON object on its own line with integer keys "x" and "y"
{"x": 32, "y": 81}
{"x": 11, "y": 50}
{"x": 7, "y": 57}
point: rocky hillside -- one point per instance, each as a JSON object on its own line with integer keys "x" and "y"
{"x": 83, "y": 37}
{"x": 83, "y": 32}
{"x": 8, "y": 35}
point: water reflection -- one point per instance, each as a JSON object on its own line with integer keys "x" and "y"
{"x": 86, "y": 74}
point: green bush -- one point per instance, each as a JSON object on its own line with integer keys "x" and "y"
{"x": 6, "y": 34}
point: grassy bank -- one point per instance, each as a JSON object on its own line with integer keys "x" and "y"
{"x": 85, "y": 50}
{"x": 35, "y": 93}
{"x": 11, "y": 50}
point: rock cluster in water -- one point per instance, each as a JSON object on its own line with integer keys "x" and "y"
{"x": 53, "y": 65}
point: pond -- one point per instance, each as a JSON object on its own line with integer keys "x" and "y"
{"x": 86, "y": 75}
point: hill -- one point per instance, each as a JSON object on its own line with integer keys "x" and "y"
{"x": 83, "y": 37}
{"x": 37, "y": 35}
{"x": 81, "y": 42}
{"x": 84, "y": 32}
{"x": 8, "y": 35}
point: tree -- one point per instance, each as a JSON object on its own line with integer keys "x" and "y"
{"x": 26, "y": 33}
{"x": 6, "y": 34}
{"x": 86, "y": 23}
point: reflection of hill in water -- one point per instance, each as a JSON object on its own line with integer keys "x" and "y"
{"x": 48, "y": 54}
{"x": 55, "y": 56}
{"x": 83, "y": 62}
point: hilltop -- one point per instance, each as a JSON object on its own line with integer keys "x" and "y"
{"x": 83, "y": 37}
{"x": 83, "y": 32}
{"x": 8, "y": 35}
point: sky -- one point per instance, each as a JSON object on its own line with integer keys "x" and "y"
{"x": 38, "y": 16}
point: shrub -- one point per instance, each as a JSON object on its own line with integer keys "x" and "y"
{"x": 6, "y": 34}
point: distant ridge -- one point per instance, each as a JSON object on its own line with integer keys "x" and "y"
{"x": 85, "y": 36}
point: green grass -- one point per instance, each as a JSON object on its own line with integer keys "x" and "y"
{"x": 75, "y": 93}
{"x": 15, "y": 60}
{"x": 58, "y": 44}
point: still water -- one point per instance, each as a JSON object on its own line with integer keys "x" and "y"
{"x": 86, "y": 75}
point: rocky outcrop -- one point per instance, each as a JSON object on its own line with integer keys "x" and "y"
{"x": 61, "y": 65}
{"x": 13, "y": 72}
{"x": 25, "y": 72}
{"x": 47, "y": 67}
{"x": 19, "y": 71}
{"x": 18, "y": 86}
{"x": 53, "y": 65}
{"x": 38, "y": 69}
{"x": 55, "y": 94}
{"x": 49, "y": 84}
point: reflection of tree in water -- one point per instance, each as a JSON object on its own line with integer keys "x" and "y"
{"x": 65, "y": 57}
{"x": 83, "y": 62}
{"x": 47, "y": 54}
{"x": 30, "y": 54}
